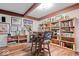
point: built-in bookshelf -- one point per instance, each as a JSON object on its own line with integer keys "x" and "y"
{"x": 68, "y": 33}
{"x": 63, "y": 32}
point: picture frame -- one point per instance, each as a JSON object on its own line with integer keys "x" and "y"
{"x": 16, "y": 20}
{"x": 27, "y": 22}
{"x": 4, "y": 28}
{"x": 14, "y": 28}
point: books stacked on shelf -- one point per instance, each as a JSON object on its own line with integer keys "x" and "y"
{"x": 67, "y": 23}
{"x": 55, "y": 26}
{"x": 70, "y": 35}
{"x": 67, "y": 26}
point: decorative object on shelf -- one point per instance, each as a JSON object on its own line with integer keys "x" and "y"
{"x": 59, "y": 17}
{"x": 16, "y": 20}
{"x": 52, "y": 19}
{"x": 49, "y": 20}
{"x": 67, "y": 17}
{"x": 4, "y": 28}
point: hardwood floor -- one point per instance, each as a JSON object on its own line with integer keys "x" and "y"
{"x": 24, "y": 50}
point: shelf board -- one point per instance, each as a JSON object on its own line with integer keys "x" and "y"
{"x": 54, "y": 22}
{"x": 67, "y": 20}
{"x": 68, "y": 27}
{"x": 67, "y": 32}
{"x": 55, "y": 28}
{"x": 54, "y": 36}
{"x": 67, "y": 37}
{"x": 68, "y": 41}
{"x": 22, "y": 39}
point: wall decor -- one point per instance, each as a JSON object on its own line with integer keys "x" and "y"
{"x": 3, "y": 19}
{"x": 26, "y": 22}
{"x": 4, "y": 28}
{"x": 14, "y": 28}
{"x": 16, "y": 20}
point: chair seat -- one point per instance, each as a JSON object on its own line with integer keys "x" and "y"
{"x": 46, "y": 41}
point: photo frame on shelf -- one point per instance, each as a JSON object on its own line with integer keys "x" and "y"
{"x": 16, "y": 20}
{"x": 4, "y": 28}
{"x": 14, "y": 28}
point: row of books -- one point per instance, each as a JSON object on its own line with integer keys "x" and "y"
{"x": 67, "y": 30}
{"x": 67, "y": 34}
{"x": 67, "y": 24}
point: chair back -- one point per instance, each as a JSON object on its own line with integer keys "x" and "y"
{"x": 48, "y": 35}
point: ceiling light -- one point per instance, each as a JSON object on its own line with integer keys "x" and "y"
{"x": 45, "y": 6}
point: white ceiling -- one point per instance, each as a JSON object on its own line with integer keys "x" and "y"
{"x": 16, "y": 7}
{"x": 23, "y": 7}
{"x": 40, "y": 13}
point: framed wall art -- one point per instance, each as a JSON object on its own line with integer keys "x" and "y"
{"x": 27, "y": 22}
{"x": 13, "y": 28}
{"x": 16, "y": 20}
{"x": 4, "y": 28}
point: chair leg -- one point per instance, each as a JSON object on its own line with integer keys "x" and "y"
{"x": 31, "y": 48}
{"x": 49, "y": 49}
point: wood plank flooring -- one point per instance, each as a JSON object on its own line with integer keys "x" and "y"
{"x": 24, "y": 50}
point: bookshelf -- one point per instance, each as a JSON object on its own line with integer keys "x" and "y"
{"x": 17, "y": 39}
{"x": 68, "y": 33}
{"x": 63, "y": 32}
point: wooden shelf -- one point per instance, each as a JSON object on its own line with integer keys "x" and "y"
{"x": 67, "y": 37}
{"x": 67, "y": 20}
{"x": 54, "y": 22}
{"x": 55, "y": 27}
{"x": 68, "y": 27}
{"x": 67, "y": 32}
{"x": 17, "y": 38}
{"x": 65, "y": 27}
{"x": 68, "y": 42}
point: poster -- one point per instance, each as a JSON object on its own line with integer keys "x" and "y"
{"x": 4, "y": 28}
{"x": 27, "y": 22}
{"x": 16, "y": 20}
{"x": 14, "y": 28}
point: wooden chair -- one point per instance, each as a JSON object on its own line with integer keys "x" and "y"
{"x": 34, "y": 44}
{"x": 40, "y": 42}
{"x": 47, "y": 38}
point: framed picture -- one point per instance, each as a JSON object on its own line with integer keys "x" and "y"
{"x": 4, "y": 28}
{"x": 16, "y": 20}
{"x": 26, "y": 22}
{"x": 14, "y": 28}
